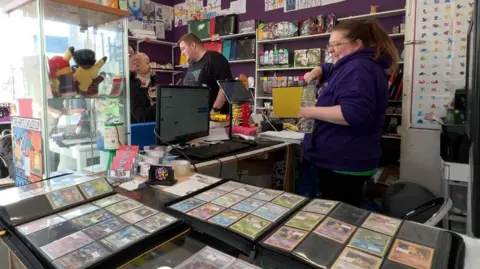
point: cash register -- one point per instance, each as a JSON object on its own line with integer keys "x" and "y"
{"x": 183, "y": 114}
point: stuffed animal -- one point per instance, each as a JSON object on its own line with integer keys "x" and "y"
{"x": 86, "y": 75}
{"x": 60, "y": 74}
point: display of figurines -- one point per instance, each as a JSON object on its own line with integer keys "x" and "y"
{"x": 81, "y": 79}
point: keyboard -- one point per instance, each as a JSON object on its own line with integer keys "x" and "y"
{"x": 211, "y": 151}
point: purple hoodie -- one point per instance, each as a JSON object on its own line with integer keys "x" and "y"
{"x": 359, "y": 85}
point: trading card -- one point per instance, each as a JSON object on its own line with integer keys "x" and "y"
{"x": 82, "y": 257}
{"x": 210, "y": 195}
{"x": 129, "y": 148}
{"x": 413, "y": 255}
{"x": 123, "y": 237}
{"x": 39, "y": 224}
{"x": 382, "y": 224}
{"x": 239, "y": 264}
{"x": 105, "y": 228}
{"x": 122, "y": 163}
{"x": 334, "y": 229}
{"x": 138, "y": 214}
{"x": 204, "y": 179}
{"x": 66, "y": 244}
{"x": 227, "y": 217}
{"x": 110, "y": 200}
{"x": 250, "y": 226}
{"x": 207, "y": 258}
{"x": 206, "y": 211}
{"x": 369, "y": 241}
{"x": 271, "y": 212}
{"x": 95, "y": 188}
{"x": 92, "y": 218}
{"x": 187, "y": 205}
{"x": 64, "y": 197}
{"x": 320, "y": 206}
{"x": 354, "y": 259}
{"x": 78, "y": 211}
{"x": 247, "y": 190}
{"x": 288, "y": 200}
{"x": 229, "y": 186}
{"x": 123, "y": 206}
{"x": 349, "y": 214}
{"x": 156, "y": 222}
{"x": 305, "y": 220}
{"x": 286, "y": 238}
{"x": 248, "y": 205}
{"x": 228, "y": 200}
{"x": 266, "y": 195}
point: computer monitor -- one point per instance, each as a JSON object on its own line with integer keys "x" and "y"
{"x": 182, "y": 113}
{"x": 235, "y": 91}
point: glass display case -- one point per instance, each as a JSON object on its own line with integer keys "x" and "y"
{"x": 66, "y": 71}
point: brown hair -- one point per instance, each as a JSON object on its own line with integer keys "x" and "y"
{"x": 372, "y": 35}
{"x": 189, "y": 39}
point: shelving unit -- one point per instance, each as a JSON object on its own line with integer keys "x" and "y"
{"x": 234, "y": 36}
{"x": 260, "y": 43}
{"x": 173, "y": 45}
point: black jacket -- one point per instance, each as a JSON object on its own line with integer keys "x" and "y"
{"x": 141, "y": 109}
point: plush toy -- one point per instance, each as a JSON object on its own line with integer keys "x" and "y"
{"x": 86, "y": 75}
{"x": 60, "y": 74}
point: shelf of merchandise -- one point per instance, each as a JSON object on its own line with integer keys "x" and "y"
{"x": 241, "y": 61}
{"x": 378, "y": 15}
{"x": 310, "y": 37}
{"x": 284, "y": 68}
{"x": 234, "y": 36}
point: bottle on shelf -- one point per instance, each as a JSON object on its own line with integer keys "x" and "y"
{"x": 280, "y": 56}
{"x": 262, "y": 53}
{"x": 275, "y": 57}
{"x": 270, "y": 57}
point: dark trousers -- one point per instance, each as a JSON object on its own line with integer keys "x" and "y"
{"x": 331, "y": 185}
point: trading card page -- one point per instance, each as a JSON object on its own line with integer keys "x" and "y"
{"x": 266, "y": 195}
{"x": 123, "y": 237}
{"x": 228, "y": 200}
{"x": 229, "y": 186}
{"x": 110, "y": 200}
{"x": 39, "y": 224}
{"x": 156, "y": 222}
{"x": 95, "y": 188}
{"x": 227, "y": 217}
{"x": 187, "y": 205}
{"x": 93, "y": 218}
{"x": 305, "y": 220}
{"x": 250, "y": 226}
{"x": 123, "y": 206}
{"x": 247, "y": 190}
{"x": 334, "y": 229}
{"x": 271, "y": 212}
{"x": 354, "y": 259}
{"x": 248, "y": 205}
{"x": 138, "y": 214}
{"x": 105, "y": 228}
{"x": 207, "y": 258}
{"x": 413, "y": 255}
{"x": 286, "y": 238}
{"x": 78, "y": 211}
{"x": 66, "y": 244}
{"x": 371, "y": 242}
{"x": 82, "y": 257}
{"x": 288, "y": 200}
{"x": 320, "y": 206}
{"x": 210, "y": 195}
{"x": 382, "y": 224}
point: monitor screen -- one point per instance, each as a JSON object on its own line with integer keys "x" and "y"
{"x": 182, "y": 113}
{"x": 235, "y": 91}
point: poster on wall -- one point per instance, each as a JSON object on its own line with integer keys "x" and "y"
{"x": 27, "y": 149}
{"x": 274, "y": 4}
{"x": 329, "y": 2}
{"x": 180, "y": 14}
{"x": 164, "y": 14}
{"x": 304, "y": 4}
{"x": 212, "y": 4}
{"x": 290, "y": 5}
{"x": 440, "y": 63}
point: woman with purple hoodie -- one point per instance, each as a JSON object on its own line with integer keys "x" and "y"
{"x": 344, "y": 146}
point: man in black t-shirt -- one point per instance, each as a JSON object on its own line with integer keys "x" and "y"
{"x": 205, "y": 67}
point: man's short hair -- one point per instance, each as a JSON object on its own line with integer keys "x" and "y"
{"x": 189, "y": 39}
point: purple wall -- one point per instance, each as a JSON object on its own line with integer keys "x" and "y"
{"x": 256, "y": 10}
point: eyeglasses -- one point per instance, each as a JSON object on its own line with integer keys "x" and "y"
{"x": 330, "y": 46}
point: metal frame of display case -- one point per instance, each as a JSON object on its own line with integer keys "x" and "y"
{"x": 88, "y": 25}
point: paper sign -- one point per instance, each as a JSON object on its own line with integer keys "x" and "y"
{"x": 274, "y": 4}
{"x": 238, "y": 7}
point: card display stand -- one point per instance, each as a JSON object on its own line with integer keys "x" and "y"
{"x": 88, "y": 226}
{"x": 235, "y": 213}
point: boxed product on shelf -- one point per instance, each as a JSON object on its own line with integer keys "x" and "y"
{"x": 308, "y": 27}
{"x": 247, "y": 26}
{"x": 307, "y": 57}
{"x": 273, "y": 30}
{"x": 245, "y": 48}
{"x": 226, "y": 25}
{"x": 201, "y": 28}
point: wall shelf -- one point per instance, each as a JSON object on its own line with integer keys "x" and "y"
{"x": 392, "y": 137}
{"x": 234, "y": 36}
{"x": 309, "y": 37}
{"x": 390, "y": 13}
{"x": 158, "y": 70}
{"x": 273, "y": 69}
{"x": 242, "y": 61}
{"x": 152, "y": 41}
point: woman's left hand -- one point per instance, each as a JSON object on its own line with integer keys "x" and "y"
{"x": 306, "y": 112}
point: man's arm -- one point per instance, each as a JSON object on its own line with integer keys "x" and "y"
{"x": 221, "y": 71}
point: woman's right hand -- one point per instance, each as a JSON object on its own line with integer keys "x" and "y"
{"x": 316, "y": 73}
